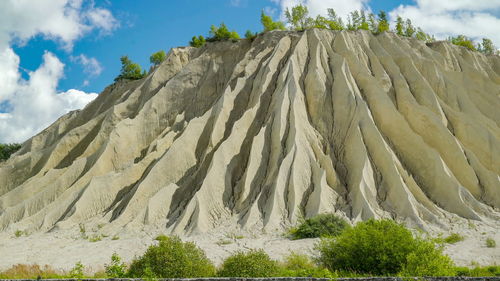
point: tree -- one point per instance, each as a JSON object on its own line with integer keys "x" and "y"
{"x": 373, "y": 23}
{"x": 383, "y": 24}
{"x": 130, "y": 70}
{"x": 6, "y": 150}
{"x": 335, "y": 22}
{"x": 269, "y": 24}
{"x": 487, "y": 47}
{"x": 409, "y": 29}
{"x": 464, "y": 41}
{"x": 298, "y": 17}
{"x": 222, "y": 33}
{"x": 363, "y": 22}
{"x": 250, "y": 35}
{"x": 421, "y": 35}
{"x": 157, "y": 58}
{"x": 399, "y": 26}
{"x": 197, "y": 42}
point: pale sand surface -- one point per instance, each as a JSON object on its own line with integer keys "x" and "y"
{"x": 63, "y": 250}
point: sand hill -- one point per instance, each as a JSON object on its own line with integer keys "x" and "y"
{"x": 258, "y": 134}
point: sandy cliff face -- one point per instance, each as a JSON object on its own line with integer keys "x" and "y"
{"x": 264, "y": 132}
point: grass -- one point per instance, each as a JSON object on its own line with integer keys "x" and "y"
{"x": 116, "y": 237}
{"x": 224, "y": 242}
{"x": 95, "y": 238}
{"x": 490, "y": 242}
{"x": 453, "y": 238}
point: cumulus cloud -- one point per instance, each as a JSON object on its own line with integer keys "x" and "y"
{"x": 91, "y": 66}
{"x": 473, "y": 18}
{"x": 319, "y": 7}
{"x": 35, "y": 103}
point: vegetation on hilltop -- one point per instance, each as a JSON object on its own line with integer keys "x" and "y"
{"x": 6, "y": 150}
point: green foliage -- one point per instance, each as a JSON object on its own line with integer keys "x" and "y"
{"x": 383, "y": 24}
{"x": 297, "y": 265}
{"x": 157, "y": 58}
{"x": 254, "y": 263}
{"x": 409, "y": 29}
{"x": 453, "y": 238}
{"x": 478, "y": 271}
{"x": 319, "y": 226}
{"x": 116, "y": 237}
{"x": 250, "y": 35}
{"x": 77, "y": 271}
{"x": 427, "y": 260}
{"x": 399, "y": 26}
{"x": 116, "y": 269}
{"x": 382, "y": 248}
{"x": 491, "y": 243}
{"x": 130, "y": 70}
{"x": 222, "y": 33}
{"x": 269, "y": 24}
{"x": 298, "y": 17}
{"x": 18, "y": 233}
{"x": 363, "y": 25}
{"x": 6, "y": 150}
{"x": 197, "y": 42}
{"x": 487, "y": 47}
{"x": 464, "y": 41}
{"x": 421, "y": 35}
{"x": 172, "y": 258}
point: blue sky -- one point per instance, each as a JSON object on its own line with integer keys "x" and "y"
{"x": 55, "y": 55}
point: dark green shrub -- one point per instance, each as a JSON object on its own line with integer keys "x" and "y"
{"x": 379, "y": 247}
{"x": 254, "y": 263}
{"x": 250, "y": 35}
{"x": 6, "y": 150}
{"x": 172, "y": 258}
{"x": 130, "y": 70}
{"x": 197, "y": 42}
{"x": 319, "y": 226}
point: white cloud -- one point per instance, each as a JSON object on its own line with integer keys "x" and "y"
{"x": 473, "y": 18}
{"x": 319, "y": 7}
{"x": 36, "y": 102}
{"x": 91, "y": 66}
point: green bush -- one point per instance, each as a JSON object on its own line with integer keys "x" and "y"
{"x": 427, "y": 260}
{"x": 197, "y": 42}
{"x": 453, "y": 238}
{"x": 6, "y": 150}
{"x": 269, "y": 24}
{"x": 130, "y": 70}
{"x": 490, "y": 243}
{"x": 319, "y": 226}
{"x": 116, "y": 269}
{"x": 382, "y": 248}
{"x": 254, "y": 263}
{"x": 464, "y": 41}
{"x": 222, "y": 33}
{"x": 172, "y": 258}
{"x": 297, "y": 265}
{"x": 157, "y": 58}
{"x": 77, "y": 271}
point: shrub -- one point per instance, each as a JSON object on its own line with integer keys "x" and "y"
{"x": 453, "y": 238}
{"x": 250, "y": 35}
{"x": 427, "y": 260}
{"x": 478, "y": 271}
{"x": 297, "y": 265}
{"x": 490, "y": 243}
{"x": 172, "y": 258}
{"x": 269, "y": 24}
{"x": 116, "y": 269}
{"x": 383, "y": 24}
{"x": 77, "y": 271}
{"x": 379, "y": 247}
{"x": 319, "y": 226}
{"x": 197, "y": 42}
{"x": 6, "y": 150}
{"x": 254, "y": 263}
{"x": 18, "y": 233}
{"x": 464, "y": 41}
{"x": 157, "y": 58}
{"x": 222, "y": 33}
{"x": 130, "y": 70}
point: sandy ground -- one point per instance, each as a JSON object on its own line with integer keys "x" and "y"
{"x": 63, "y": 250}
